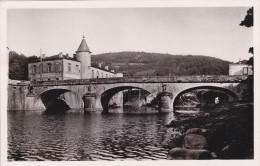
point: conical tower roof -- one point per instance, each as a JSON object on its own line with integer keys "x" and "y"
{"x": 83, "y": 47}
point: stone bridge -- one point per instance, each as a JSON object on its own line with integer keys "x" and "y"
{"x": 95, "y": 94}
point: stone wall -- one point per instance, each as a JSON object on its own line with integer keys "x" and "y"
{"x": 175, "y": 79}
{"x": 18, "y": 99}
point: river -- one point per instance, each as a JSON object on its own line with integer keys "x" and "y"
{"x": 75, "y": 135}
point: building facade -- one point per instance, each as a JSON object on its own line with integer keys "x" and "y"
{"x": 240, "y": 69}
{"x": 63, "y": 67}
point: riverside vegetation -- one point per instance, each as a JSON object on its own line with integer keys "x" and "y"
{"x": 226, "y": 132}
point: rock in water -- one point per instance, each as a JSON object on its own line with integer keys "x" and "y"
{"x": 194, "y": 131}
{"x": 200, "y": 131}
{"x": 174, "y": 142}
{"x": 188, "y": 154}
{"x": 195, "y": 141}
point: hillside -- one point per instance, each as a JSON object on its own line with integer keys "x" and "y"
{"x": 155, "y": 64}
{"x": 136, "y": 64}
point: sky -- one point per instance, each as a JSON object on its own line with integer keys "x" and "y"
{"x": 209, "y": 31}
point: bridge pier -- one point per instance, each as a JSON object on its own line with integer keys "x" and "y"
{"x": 89, "y": 100}
{"x": 165, "y": 102}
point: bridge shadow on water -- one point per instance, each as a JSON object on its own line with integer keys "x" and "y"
{"x": 58, "y": 107}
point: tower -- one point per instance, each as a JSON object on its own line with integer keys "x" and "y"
{"x": 83, "y": 55}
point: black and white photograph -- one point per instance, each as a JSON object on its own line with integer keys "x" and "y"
{"x": 135, "y": 83}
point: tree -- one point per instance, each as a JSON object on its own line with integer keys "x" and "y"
{"x": 249, "y": 22}
{"x": 249, "y": 18}
{"x": 251, "y": 50}
{"x": 17, "y": 66}
{"x": 248, "y": 91}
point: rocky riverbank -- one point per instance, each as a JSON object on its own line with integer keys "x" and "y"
{"x": 223, "y": 133}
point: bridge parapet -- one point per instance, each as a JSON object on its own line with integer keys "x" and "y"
{"x": 175, "y": 79}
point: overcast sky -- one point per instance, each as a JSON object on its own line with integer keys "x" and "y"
{"x": 197, "y": 31}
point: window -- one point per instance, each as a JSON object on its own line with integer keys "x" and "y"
{"x": 92, "y": 74}
{"x": 77, "y": 68}
{"x": 89, "y": 67}
{"x": 69, "y": 67}
{"x": 57, "y": 78}
{"x": 57, "y": 67}
{"x": 102, "y": 75}
{"x": 49, "y": 79}
{"x": 106, "y": 75}
{"x": 48, "y": 68}
{"x": 245, "y": 70}
{"x": 41, "y": 69}
{"x": 97, "y": 74}
{"x": 34, "y": 69}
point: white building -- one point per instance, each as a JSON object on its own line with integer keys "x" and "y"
{"x": 240, "y": 69}
{"x": 63, "y": 67}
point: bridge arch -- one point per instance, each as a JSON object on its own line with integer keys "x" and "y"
{"x": 232, "y": 94}
{"x": 60, "y": 99}
{"x": 108, "y": 94}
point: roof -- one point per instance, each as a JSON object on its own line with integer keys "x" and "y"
{"x": 102, "y": 69}
{"x": 244, "y": 62}
{"x": 54, "y": 57}
{"x": 83, "y": 47}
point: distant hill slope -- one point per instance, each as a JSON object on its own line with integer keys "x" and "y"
{"x": 136, "y": 64}
{"x": 155, "y": 64}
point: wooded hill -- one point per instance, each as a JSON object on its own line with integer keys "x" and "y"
{"x": 155, "y": 64}
{"x": 137, "y": 64}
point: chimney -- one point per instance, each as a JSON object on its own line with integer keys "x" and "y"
{"x": 112, "y": 71}
{"x": 106, "y": 67}
{"x": 60, "y": 55}
{"x": 43, "y": 56}
{"x": 99, "y": 65}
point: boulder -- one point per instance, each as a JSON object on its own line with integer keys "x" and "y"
{"x": 175, "y": 142}
{"x": 194, "y": 131}
{"x": 188, "y": 154}
{"x": 195, "y": 141}
{"x": 205, "y": 132}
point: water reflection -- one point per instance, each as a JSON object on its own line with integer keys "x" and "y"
{"x": 73, "y": 135}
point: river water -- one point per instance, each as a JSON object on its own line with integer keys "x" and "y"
{"x": 77, "y": 136}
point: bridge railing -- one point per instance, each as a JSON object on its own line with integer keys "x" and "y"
{"x": 147, "y": 79}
